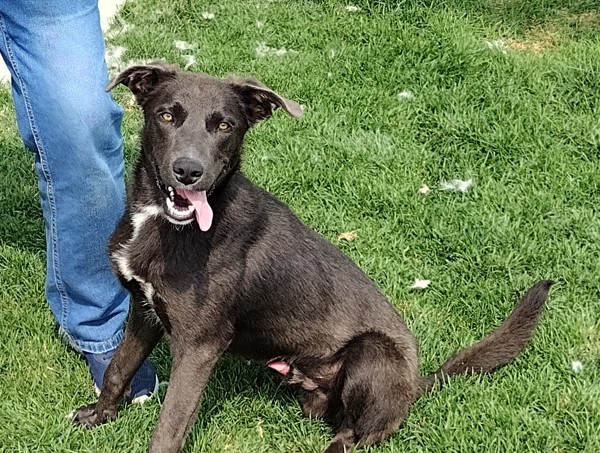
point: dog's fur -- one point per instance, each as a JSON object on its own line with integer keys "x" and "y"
{"x": 258, "y": 282}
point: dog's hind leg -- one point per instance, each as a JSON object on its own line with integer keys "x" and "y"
{"x": 140, "y": 338}
{"x": 314, "y": 403}
{"x": 378, "y": 384}
{"x": 343, "y": 441}
{"x": 316, "y": 391}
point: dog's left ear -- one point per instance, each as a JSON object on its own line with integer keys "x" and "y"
{"x": 142, "y": 79}
{"x": 259, "y": 101}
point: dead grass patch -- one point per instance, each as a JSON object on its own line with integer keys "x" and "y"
{"x": 544, "y": 37}
{"x": 589, "y": 19}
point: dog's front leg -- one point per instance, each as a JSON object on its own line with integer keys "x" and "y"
{"x": 140, "y": 338}
{"x": 192, "y": 365}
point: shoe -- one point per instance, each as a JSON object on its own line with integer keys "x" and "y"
{"x": 143, "y": 385}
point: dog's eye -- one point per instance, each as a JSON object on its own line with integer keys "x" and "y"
{"x": 224, "y": 127}
{"x": 167, "y": 117}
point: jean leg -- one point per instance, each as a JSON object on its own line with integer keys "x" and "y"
{"x": 55, "y": 51}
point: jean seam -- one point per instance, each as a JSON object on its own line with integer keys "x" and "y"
{"x": 47, "y": 176}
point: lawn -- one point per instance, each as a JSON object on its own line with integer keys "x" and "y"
{"x": 398, "y": 95}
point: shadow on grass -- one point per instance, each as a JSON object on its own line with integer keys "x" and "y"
{"x": 21, "y": 222}
{"x": 232, "y": 378}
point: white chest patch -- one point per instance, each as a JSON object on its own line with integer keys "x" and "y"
{"x": 122, "y": 263}
{"x": 121, "y": 256}
{"x": 138, "y": 218}
{"x": 147, "y": 289}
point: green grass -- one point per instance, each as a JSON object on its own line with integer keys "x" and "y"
{"x": 522, "y": 118}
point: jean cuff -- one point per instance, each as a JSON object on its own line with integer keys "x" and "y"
{"x": 94, "y": 347}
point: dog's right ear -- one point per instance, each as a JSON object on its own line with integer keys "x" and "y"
{"x": 142, "y": 79}
{"x": 259, "y": 101}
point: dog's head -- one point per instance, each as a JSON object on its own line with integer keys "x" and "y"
{"x": 193, "y": 131}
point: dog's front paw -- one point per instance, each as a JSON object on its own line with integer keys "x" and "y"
{"x": 91, "y": 415}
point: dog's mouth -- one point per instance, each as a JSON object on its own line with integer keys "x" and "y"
{"x": 183, "y": 205}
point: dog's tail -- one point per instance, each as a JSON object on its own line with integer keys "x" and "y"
{"x": 498, "y": 348}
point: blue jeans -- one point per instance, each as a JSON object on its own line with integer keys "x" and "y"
{"x": 55, "y": 52}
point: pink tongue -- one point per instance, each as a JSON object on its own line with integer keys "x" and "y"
{"x": 204, "y": 214}
{"x": 280, "y": 367}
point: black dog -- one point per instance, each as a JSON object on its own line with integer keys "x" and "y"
{"x": 221, "y": 265}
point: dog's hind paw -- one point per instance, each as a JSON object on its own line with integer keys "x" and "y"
{"x": 91, "y": 416}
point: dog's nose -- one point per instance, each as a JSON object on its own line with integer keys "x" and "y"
{"x": 187, "y": 171}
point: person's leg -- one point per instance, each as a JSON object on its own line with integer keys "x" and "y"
{"x": 55, "y": 52}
